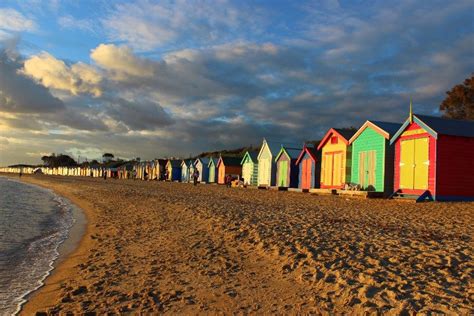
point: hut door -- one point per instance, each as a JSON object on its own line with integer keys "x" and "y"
{"x": 328, "y": 168}
{"x": 337, "y": 169}
{"x": 407, "y": 161}
{"x": 414, "y": 163}
{"x": 246, "y": 172}
{"x": 421, "y": 163}
{"x": 306, "y": 174}
{"x": 212, "y": 171}
{"x": 283, "y": 172}
{"x": 264, "y": 172}
{"x": 371, "y": 170}
{"x": 363, "y": 169}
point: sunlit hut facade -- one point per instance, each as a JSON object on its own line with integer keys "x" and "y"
{"x": 373, "y": 156}
{"x": 287, "y": 171}
{"x": 173, "y": 167}
{"x": 250, "y": 168}
{"x": 434, "y": 157}
{"x": 336, "y": 158}
{"x": 309, "y": 164}
{"x": 185, "y": 172}
{"x": 228, "y": 166}
{"x": 212, "y": 165}
{"x": 266, "y": 163}
{"x": 201, "y": 164}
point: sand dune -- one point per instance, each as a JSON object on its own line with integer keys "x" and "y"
{"x": 175, "y": 248}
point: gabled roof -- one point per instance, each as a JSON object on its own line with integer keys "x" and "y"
{"x": 344, "y": 133}
{"x": 253, "y": 156}
{"x": 292, "y": 153}
{"x": 438, "y": 126}
{"x": 312, "y": 152}
{"x": 229, "y": 161}
{"x": 203, "y": 160}
{"x": 186, "y": 162}
{"x": 213, "y": 161}
{"x": 175, "y": 163}
{"x": 275, "y": 146}
{"x": 386, "y": 129}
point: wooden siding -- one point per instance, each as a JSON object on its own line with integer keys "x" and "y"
{"x": 267, "y": 167}
{"x": 250, "y": 172}
{"x": 369, "y": 140}
{"x": 455, "y": 172}
{"x": 344, "y": 175}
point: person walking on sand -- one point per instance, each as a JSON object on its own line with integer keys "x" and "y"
{"x": 196, "y": 176}
{"x": 105, "y": 174}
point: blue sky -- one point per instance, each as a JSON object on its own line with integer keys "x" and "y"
{"x": 162, "y": 78}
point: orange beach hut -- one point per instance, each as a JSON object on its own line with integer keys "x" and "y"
{"x": 228, "y": 166}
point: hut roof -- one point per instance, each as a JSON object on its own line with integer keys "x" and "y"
{"x": 204, "y": 160}
{"x": 386, "y": 129}
{"x": 230, "y": 161}
{"x": 253, "y": 155}
{"x": 275, "y": 146}
{"x": 344, "y": 133}
{"x": 213, "y": 161}
{"x": 439, "y": 126}
{"x": 175, "y": 163}
{"x": 311, "y": 150}
{"x": 291, "y": 152}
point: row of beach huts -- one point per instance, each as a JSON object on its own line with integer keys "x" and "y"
{"x": 425, "y": 158}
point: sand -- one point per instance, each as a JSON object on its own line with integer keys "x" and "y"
{"x": 173, "y": 248}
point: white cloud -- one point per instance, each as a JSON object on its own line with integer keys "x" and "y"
{"x": 54, "y": 73}
{"x": 70, "y": 22}
{"x": 12, "y": 20}
{"x": 121, "y": 61}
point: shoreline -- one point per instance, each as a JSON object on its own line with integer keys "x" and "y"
{"x": 72, "y": 247}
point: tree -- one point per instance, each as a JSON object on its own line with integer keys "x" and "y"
{"x": 108, "y": 155}
{"x": 58, "y": 161}
{"x": 459, "y": 104}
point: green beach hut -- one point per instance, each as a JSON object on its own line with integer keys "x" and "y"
{"x": 373, "y": 156}
{"x": 212, "y": 169}
{"x": 250, "y": 168}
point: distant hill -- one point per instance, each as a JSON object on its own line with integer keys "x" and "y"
{"x": 238, "y": 152}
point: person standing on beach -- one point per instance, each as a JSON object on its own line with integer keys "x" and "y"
{"x": 105, "y": 174}
{"x": 196, "y": 176}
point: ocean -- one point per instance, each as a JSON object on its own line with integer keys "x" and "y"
{"x": 33, "y": 224}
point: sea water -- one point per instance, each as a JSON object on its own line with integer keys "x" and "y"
{"x": 33, "y": 223}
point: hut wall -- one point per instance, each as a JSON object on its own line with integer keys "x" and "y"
{"x": 455, "y": 173}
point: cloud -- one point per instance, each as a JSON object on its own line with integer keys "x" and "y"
{"x": 121, "y": 61}
{"x": 12, "y": 21}
{"x": 147, "y": 25}
{"x": 54, "y": 73}
{"x": 20, "y": 94}
{"x": 70, "y": 22}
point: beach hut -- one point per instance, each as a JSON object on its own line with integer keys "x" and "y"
{"x": 173, "y": 166}
{"x": 212, "y": 165}
{"x": 336, "y": 158}
{"x": 185, "y": 174}
{"x": 309, "y": 165}
{"x": 266, "y": 163}
{"x": 161, "y": 168}
{"x": 373, "y": 156}
{"x": 287, "y": 171}
{"x": 228, "y": 166}
{"x": 201, "y": 164}
{"x": 250, "y": 168}
{"x": 434, "y": 158}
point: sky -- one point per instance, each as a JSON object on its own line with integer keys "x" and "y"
{"x": 154, "y": 79}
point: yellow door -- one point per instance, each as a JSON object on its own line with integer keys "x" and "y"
{"x": 362, "y": 168}
{"x": 328, "y": 169}
{"x": 407, "y": 155}
{"x": 371, "y": 172}
{"x": 337, "y": 178}
{"x": 421, "y": 163}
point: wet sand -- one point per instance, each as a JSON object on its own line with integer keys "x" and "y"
{"x": 154, "y": 247}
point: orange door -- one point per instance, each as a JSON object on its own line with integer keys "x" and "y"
{"x": 306, "y": 174}
{"x": 221, "y": 174}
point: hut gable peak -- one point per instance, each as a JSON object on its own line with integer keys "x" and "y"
{"x": 386, "y": 129}
{"x": 310, "y": 150}
{"x": 251, "y": 155}
{"x": 344, "y": 134}
{"x": 438, "y": 126}
{"x": 290, "y": 152}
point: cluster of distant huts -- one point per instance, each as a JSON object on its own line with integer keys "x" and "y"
{"x": 424, "y": 158}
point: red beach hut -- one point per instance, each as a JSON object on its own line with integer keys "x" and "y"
{"x": 434, "y": 158}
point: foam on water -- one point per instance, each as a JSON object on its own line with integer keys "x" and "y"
{"x": 33, "y": 224}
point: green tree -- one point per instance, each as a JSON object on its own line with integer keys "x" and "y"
{"x": 459, "y": 104}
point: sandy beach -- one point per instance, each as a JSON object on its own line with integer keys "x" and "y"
{"x": 153, "y": 247}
